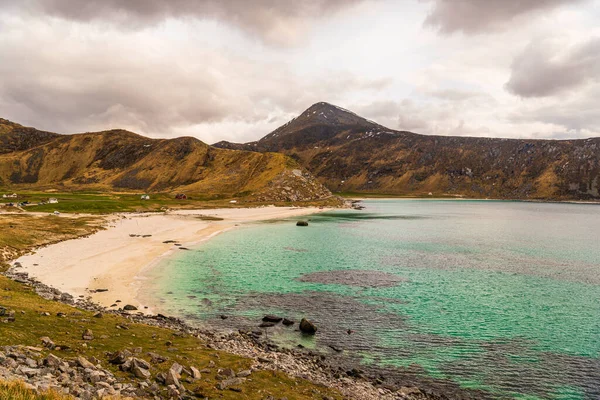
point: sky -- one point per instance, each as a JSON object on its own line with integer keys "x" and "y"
{"x": 237, "y": 69}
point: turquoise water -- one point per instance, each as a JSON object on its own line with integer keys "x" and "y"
{"x": 500, "y": 296}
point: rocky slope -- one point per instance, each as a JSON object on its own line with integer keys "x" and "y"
{"x": 122, "y": 160}
{"x": 351, "y": 154}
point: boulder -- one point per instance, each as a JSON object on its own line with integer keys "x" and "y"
{"x": 120, "y": 357}
{"x": 302, "y": 223}
{"x": 87, "y": 335}
{"x": 140, "y": 372}
{"x": 172, "y": 378}
{"x": 195, "y": 373}
{"x": 84, "y": 363}
{"x": 53, "y": 361}
{"x": 129, "y": 307}
{"x": 307, "y": 327}
{"x": 47, "y": 342}
{"x": 271, "y": 318}
{"x": 267, "y": 325}
{"x": 287, "y": 322}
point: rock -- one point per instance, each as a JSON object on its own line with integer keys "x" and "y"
{"x": 129, "y": 307}
{"x": 120, "y": 357}
{"x": 287, "y": 322}
{"x": 52, "y": 361}
{"x": 157, "y": 358}
{"x": 229, "y": 382}
{"x": 224, "y": 317}
{"x": 195, "y": 374}
{"x": 307, "y": 327}
{"x": 244, "y": 373}
{"x": 228, "y": 372}
{"x": 407, "y": 391}
{"x": 302, "y": 223}
{"x": 87, "y": 335}
{"x": 271, "y": 318}
{"x": 140, "y": 372}
{"x": 172, "y": 378}
{"x": 177, "y": 368}
{"x": 267, "y": 325}
{"x": 84, "y": 363}
{"x": 140, "y": 363}
{"x": 173, "y": 392}
{"x": 101, "y": 290}
{"x": 47, "y": 342}
{"x": 98, "y": 315}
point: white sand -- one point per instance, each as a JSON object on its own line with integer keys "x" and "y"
{"x": 112, "y": 259}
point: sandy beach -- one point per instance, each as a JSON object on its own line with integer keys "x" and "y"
{"x": 114, "y": 258}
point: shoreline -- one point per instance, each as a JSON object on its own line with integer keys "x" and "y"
{"x": 332, "y": 370}
{"x": 109, "y": 265}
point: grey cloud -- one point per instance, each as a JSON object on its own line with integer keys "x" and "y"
{"x": 546, "y": 68}
{"x": 279, "y": 22}
{"x": 578, "y": 116}
{"x": 113, "y": 80}
{"x": 478, "y": 16}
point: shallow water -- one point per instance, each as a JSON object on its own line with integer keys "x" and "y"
{"x": 502, "y": 296}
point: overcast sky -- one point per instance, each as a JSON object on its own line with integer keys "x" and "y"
{"x": 237, "y": 69}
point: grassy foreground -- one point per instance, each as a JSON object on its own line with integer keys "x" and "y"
{"x": 112, "y": 332}
{"x": 18, "y": 391}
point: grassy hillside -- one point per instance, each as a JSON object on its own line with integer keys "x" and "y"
{"x": 124, "y": 161}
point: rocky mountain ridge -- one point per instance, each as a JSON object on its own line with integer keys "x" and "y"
{"x": 348, "y": 153}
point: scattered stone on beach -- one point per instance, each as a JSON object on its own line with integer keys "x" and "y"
{"x": 271, "y": 318}
{"x": 101, "y": 290}
{"x": 287, "y": 322}
{"x": 266, "y": 325}
{"x": 224, "y": 317}
{"x": 307, "y": 327}
{"x": 129, "y": 307}
{"x": 302, "y": 223}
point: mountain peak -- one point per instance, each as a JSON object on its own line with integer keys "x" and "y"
{"x": 330, "y": 114}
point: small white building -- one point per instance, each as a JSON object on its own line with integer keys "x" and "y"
{"x": 52, "y": 200}
{"x": 10, "y": 196}
{"x": 145, "y": 197}
{"x": 233, "y": 201}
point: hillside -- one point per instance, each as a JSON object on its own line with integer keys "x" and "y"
{"x": 122, "y": 160}
{"x": 348, "y": 153}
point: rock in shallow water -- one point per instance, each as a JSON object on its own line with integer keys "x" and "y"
{"x": 307, "y": 327}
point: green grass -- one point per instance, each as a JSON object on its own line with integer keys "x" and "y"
{"x": 105, "y": 203}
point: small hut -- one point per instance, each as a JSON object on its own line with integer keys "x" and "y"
{"x": 52, "y": 200}
{"x": 145, "y": 197}
{"x": 181, "y": 196}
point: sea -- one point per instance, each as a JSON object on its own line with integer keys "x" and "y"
{"x": 497, "y": 296}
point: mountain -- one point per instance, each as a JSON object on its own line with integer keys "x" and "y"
{"x": 348, "y": 153}
{"x": 122, "y": 160}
